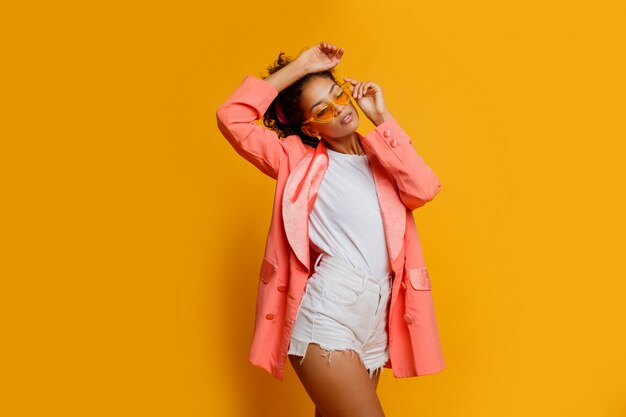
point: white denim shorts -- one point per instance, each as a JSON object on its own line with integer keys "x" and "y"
{"x": 341, "y": 309}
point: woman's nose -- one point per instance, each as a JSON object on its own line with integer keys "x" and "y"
{"x": 338, "y": 108}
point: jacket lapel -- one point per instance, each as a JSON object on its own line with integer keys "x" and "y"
{"x": 392, "y": 209}
{"x": 299, "y": 197}
{"x": 301, "y": 190}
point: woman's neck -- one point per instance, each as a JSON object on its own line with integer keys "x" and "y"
{"x": 349, "y": 144}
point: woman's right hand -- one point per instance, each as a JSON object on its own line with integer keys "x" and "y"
{"x": 320, "y": 57}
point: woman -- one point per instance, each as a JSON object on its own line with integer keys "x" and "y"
{"x": 341, "y": 231}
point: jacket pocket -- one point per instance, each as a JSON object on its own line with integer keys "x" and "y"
{"x": 268, "y": 270}
{"x": 419, "y": 279}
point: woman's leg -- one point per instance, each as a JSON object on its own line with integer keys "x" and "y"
{"x": 342, "y": 388}
{"x": 374, "y": 380}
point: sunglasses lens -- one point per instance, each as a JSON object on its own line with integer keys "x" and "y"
{"x": 343, "y": 98}
{"x": 325, "y": 114}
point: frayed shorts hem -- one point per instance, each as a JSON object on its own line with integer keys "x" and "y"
{"x": 299, "y": 347}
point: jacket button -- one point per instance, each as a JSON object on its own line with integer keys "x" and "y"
{"x": 269, "y": 316}
{"x": 403, "y": 286}
{"x": 393, "y": 143}
{"x": 282, "y": 287}
{"x": 386, "y": 133}
{"x": 408, "y": 318}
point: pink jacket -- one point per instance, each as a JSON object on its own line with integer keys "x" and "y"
{"x": 403, "y": 181}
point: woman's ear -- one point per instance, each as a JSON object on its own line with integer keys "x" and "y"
{"x": 309, "y": 131}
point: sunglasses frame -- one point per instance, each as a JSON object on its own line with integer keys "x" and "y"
{"x": 346, "y": 87}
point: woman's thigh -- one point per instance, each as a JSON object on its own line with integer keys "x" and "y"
{"x": 342, "y": 388}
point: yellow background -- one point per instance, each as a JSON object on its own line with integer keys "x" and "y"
{"x": 133, "y": 233}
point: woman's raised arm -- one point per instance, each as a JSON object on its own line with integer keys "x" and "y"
{"x": 236, "y": 117}
{"x": 320, "y": 57}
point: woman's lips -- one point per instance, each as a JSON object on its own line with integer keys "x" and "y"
{"x": 347, "y": 119}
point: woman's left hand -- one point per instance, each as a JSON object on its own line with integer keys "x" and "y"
{"x": 369, "y": 96}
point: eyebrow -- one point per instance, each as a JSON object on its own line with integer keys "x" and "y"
{"x": 319, "y": 102}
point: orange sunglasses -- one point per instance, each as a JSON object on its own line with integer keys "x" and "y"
{"x": 327, "y": 113}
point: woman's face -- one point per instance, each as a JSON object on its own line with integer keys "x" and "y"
{"x": 318, "y": 92}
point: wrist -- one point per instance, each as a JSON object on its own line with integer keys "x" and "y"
{"x": 299, "y": 68}
{"x": 381, "y": 117}
{"x": 286, "y": 76}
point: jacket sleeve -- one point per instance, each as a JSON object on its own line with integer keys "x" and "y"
{"x": 236, "y": 119}
{"x": 416, "y": 181}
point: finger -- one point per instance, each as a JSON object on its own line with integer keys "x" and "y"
{"x": 355, "y": 92}
{"x": 364, "y": 88}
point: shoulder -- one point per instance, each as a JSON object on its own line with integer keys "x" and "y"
{"x": 294, "y": 148}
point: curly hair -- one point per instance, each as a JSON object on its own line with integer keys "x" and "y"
{"x": 289, "y": 102}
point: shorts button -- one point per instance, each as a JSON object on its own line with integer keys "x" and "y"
{"x": 282, "y": 287}
{"x": 408, "y": 318}
{"x": 269, "y": 316}
{"x": 393, "y": 143}
{"x": 386, "y": 133}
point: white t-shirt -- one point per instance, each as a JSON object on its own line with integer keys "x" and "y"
{"x": 346, "y": 221}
